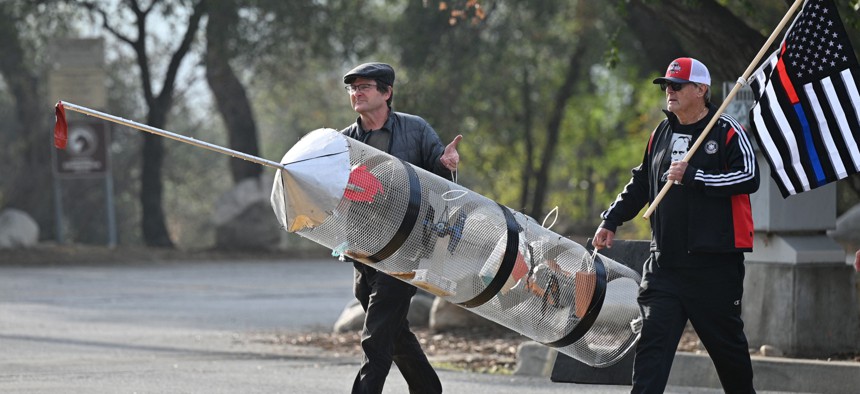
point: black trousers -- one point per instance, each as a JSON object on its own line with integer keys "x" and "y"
{"x": 386, "y": 336}
{"x": 710, "y": 298}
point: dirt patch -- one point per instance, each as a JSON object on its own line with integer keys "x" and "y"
{"x": 474, "y": 350}
{"x": 477, "y": 350}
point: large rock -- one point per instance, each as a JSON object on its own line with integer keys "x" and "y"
{"x": 535, "y": 359}
{"x": 17, "y": 229}
{"x": 243, "y": 217}
{"x": 350, "y": 319}
{"x": 419, "y": 309}
{"x": 447, "y": 316}
{"x": 352, "y": 316}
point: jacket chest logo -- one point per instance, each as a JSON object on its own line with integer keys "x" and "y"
{"x": 711, "y": 147}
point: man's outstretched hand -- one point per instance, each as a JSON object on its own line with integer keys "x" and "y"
{"x": 450, "y": 158}
{"x": 602, "y": 238}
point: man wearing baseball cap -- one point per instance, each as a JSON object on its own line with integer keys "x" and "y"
{"x": 699, "y": 233}
{"x": 386, "y": 336}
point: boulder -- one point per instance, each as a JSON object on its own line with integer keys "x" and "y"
{"x": 535, "y": 359}
{"x": 350, "y": 319}
{"x": 243, "y": 217}
{"x": 352, "y": 316}
{"x": 17, "y": 229}
{"x": 419, "y": 309}
{"x": 447, "y": 316}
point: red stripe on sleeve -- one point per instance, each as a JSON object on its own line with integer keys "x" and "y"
{"x": 742, "y": 221}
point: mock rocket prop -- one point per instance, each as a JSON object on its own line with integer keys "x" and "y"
{"x": 437, "y": 235}
{"x": 408, "y": 223}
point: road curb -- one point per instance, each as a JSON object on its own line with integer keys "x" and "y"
{"x": 697, "y": 370}
{"x": 772, "y": 374}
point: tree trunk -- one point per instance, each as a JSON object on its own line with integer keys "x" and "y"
{"x": 154, "y": 227}
{"x": 32, "y": 183}
{"x": 654, "y": 44}
{"x": 706, "y": 31}
{"x": 528, "y": 166}
{"x": 229, "y": 92}
{"x": 565, "y": 91}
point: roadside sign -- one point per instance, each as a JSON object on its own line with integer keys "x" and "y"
{"x": 86, "y": 153}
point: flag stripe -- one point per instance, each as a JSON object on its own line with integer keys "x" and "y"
{"x": 789, "y": 139}
{"x": 765, "y": 140}
{"x": 823, "y": 133}
{"x": 811, "y": 154}
{"x": 841, "y": 117}
{"x": 786, "y": 82}
{"x": 851, "y": 88}
{"x": 826, "y": 132}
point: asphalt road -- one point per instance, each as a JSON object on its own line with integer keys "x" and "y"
{"x": 193, "y": 327}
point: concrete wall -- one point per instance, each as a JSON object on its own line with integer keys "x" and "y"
{"x": 799, "y": 294}
{"x": 805, "y": 310}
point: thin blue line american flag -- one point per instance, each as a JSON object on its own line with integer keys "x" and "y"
{"x": 806, "y": 118}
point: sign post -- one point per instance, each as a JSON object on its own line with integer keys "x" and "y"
{"x": 78, "y": 74}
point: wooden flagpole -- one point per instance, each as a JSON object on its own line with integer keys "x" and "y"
{"x": 740, "y": 83}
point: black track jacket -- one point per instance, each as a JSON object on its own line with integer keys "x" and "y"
{"x": 710, "y": 212}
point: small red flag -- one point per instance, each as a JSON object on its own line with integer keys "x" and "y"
{"x": 61, "y": 128}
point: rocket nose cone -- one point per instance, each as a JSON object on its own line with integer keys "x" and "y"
{"x": 312, "y": 184}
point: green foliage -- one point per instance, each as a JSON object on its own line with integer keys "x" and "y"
{"x": 496, "y": 82}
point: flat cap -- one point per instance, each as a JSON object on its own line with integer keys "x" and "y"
{"x": 378, "y": 71}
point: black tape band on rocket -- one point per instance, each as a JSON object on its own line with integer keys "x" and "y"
{"x": 505, "y": 268}
{"x": 410, "y": 217}
{"x": 593, "y": 309}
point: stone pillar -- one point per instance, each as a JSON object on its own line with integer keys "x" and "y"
{"x": 798, "y": 292}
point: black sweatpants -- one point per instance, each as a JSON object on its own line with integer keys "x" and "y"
{"x": 710, "y": 298}
{"x": 386, "y": 336}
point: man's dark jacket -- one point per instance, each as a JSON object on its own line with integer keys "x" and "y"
{"x": 412, "y": 140}
{"x": 715, "y": 192}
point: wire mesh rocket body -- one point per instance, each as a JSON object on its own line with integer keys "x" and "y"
{"x": 498, "y": 263}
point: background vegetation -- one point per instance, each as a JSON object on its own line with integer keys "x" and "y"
{"x": 554, "y": 97}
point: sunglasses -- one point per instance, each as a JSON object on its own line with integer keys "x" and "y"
{"x": 676, "y": 86}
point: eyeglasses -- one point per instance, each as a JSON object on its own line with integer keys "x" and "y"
{"x": 676, "y": 86}
{"x": 358, "y": 88}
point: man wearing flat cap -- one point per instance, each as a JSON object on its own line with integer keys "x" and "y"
{"x": 699, "y": 233}
{"x": 386, "y": 336}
